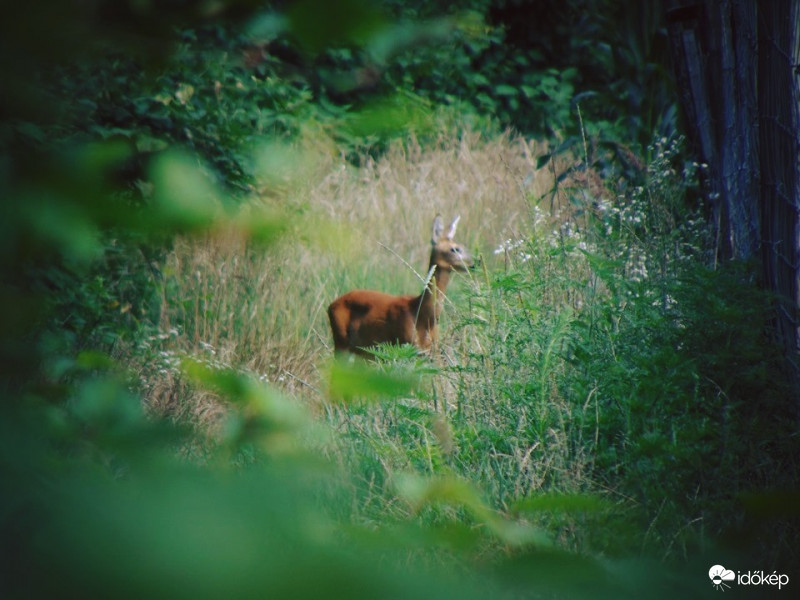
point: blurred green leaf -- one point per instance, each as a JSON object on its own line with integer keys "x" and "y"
{"x": 259, "y": 225}
{"x": 184, "y": 195}
{"x": 390, "y": 116}
{"x": 318, "y": 24}
{"x": 361, "y": 380}
{"x": 261, "y": 416}
{"x": 421, "y": 491}
{"x": 280, "y": 164}
{"x": 55, "y": 221}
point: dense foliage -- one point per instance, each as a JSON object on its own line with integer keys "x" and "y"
{"x": 613, "y": 397}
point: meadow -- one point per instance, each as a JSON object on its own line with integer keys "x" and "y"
{"x": 263, "y": 308}
{"x": 606, "y": 413}
{"x": 582, "y": 369}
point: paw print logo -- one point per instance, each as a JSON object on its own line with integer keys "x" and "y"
{"x": 719, "y": 575}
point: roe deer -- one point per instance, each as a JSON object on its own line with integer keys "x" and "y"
{"x": 363, "y": 318}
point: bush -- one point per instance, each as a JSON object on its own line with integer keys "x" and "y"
{"x": 175, "y": 224}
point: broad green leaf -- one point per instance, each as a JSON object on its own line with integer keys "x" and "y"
{"x": 184, "y": 195}
{"x": 359, "y": 379}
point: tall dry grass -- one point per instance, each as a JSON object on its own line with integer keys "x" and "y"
{"x": 263, "y": 309}
{"x": 561, "y": 369}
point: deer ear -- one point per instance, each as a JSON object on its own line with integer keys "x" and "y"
{"x": 438, "y": 226}
{"x": 451, "y": 233}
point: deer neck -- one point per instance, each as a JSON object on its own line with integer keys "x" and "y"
{"x": 432, "y": 299}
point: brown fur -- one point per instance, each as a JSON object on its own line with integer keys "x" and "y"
{"x": 362, "y": 318}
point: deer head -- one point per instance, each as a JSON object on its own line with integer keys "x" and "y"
{"x": 446, "y": 254}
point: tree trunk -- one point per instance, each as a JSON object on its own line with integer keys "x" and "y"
{"x": 779, "y": 139}
{"x": 736, "y": 63}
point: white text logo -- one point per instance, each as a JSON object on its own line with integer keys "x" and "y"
{"x": 720, "y": 576}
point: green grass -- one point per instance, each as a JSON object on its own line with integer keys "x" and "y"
{"x": 593, "y": 378}
{"x": 604, "y": 416}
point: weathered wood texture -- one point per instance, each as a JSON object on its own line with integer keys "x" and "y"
{"x": 779, "y": 152}
{"x": 736, "y": 63}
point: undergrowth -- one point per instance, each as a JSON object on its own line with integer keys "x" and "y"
{"x": 597, "y": 379}
{"x": 604, "y": 414}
